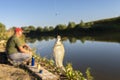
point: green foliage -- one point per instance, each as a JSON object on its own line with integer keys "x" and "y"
{"x": 89, "y": 24}
{"x": 39, "y": 30}
{"x": 31, "y": 28}
{"x": 51, "y": 28}
{"x": 2, "y": 28}
{"x": 46, "y": 29}
{"x": 73, "y": 74}
{"x": 82, "y": 24}
{"x": 70, "y": 73}
{"x": 27, "y": 29}
{"x": 60, "y": 27}
{"x": 71, "y": 25}
{"x": 83, "y": 28}
{"x": 3, "y": 35}
{"x": 89, "y": 77}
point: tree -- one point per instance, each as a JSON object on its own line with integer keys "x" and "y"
{"x": 51, "y": 28}
{"x": 60, "y": 27}
{"x": 89, "y": 24}
{"x": 31, "y": 28}
{"x": 39, "y": 29}
{"x": 46, "y": 29}
{"x": 71, "y": 25}
{"x": 82, "y": 24}
{"x": 2, "y": 28}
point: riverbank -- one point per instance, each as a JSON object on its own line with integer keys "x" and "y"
{"x": 8, "y": 72}
{"x": 68, "y": 74}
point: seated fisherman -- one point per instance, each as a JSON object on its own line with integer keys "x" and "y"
{"x": 15, "y": 48}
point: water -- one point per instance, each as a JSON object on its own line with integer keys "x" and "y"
{"x": 102, "y": 57}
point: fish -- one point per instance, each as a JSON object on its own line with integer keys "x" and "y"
{"x": 59, "y": 52}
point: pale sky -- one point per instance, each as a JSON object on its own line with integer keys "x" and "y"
{"x": 52, "y": 12}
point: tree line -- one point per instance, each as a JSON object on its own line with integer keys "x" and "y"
{"x": 82, "y": 28}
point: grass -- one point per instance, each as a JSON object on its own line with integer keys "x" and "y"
{"x": 69, "y": 74}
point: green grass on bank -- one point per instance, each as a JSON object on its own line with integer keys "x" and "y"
{"x": 69, "y": 74}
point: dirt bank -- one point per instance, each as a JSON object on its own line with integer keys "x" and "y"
{"x": 8, "y": 72}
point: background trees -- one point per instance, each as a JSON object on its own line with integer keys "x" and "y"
{"x": 2, "y": 28}
{"x": 71, "y": 25}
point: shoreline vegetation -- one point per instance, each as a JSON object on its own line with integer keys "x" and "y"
{"x": 69, "y": 74}
{"x": 93, "y": 29}
{"x": 101, "y": 30}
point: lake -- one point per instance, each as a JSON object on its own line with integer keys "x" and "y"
{"x": 102, "y": 56}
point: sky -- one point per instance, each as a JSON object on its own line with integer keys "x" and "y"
{"x": 43, "y": 13}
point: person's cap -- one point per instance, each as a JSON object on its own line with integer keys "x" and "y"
{"x": 18, "y": 30}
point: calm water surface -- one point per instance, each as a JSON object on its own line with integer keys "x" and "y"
{"x": 102, "y": 57}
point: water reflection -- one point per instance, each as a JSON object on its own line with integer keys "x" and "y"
{"x": 108, "y": 37}
{"x": 100, "y": 53}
